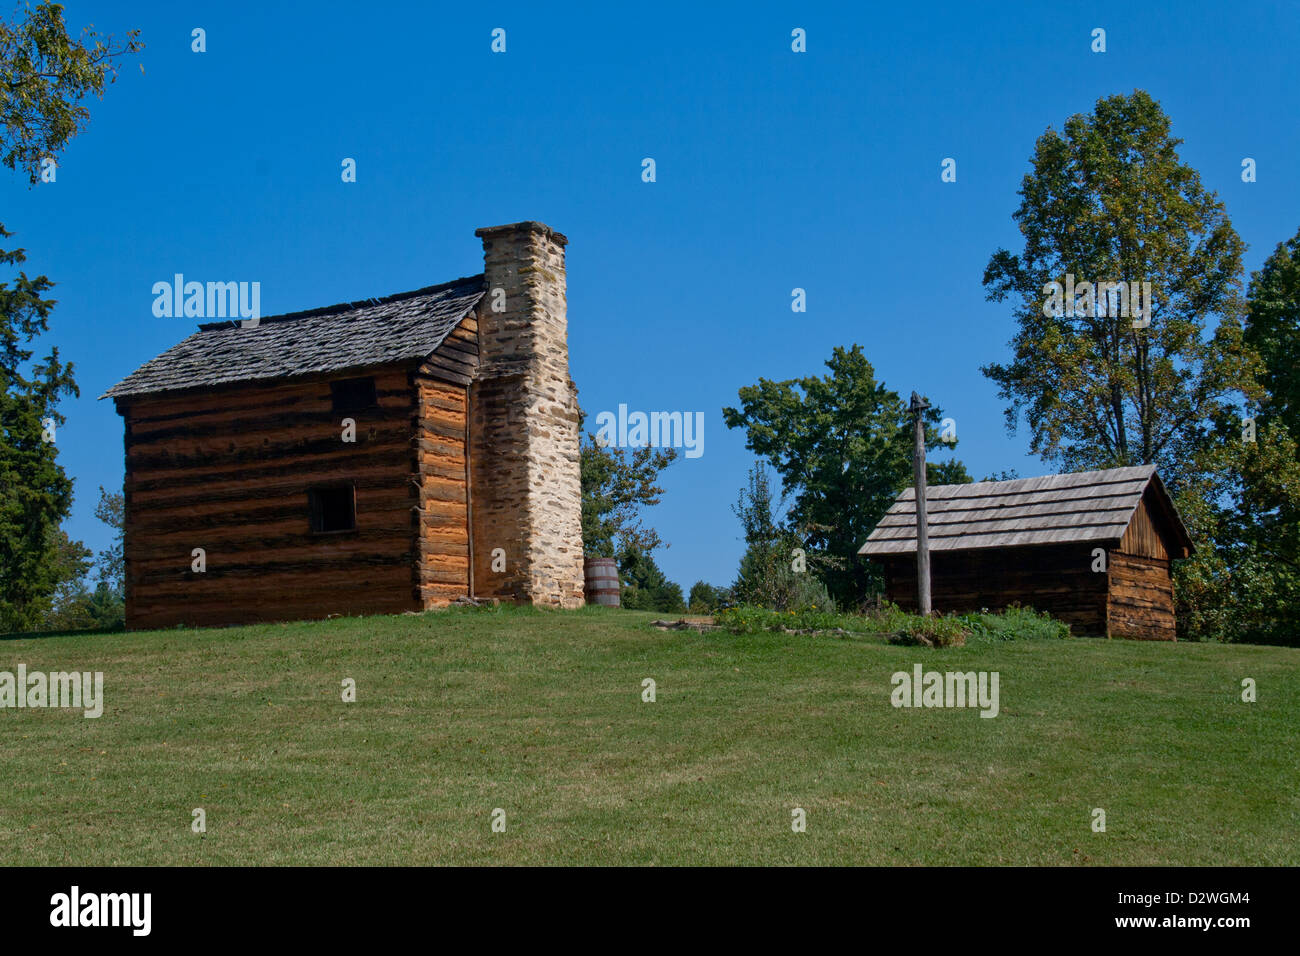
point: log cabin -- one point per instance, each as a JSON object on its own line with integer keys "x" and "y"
{"x": 1093, "y": 549}
{"x": 372, "y": 457}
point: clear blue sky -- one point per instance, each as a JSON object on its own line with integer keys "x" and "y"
{"x": 775, "y": 170}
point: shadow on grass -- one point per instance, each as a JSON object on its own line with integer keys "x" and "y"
{"x": 89, "y": 632}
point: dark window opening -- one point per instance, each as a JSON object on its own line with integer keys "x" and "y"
{"x": 332, "y": 509}
{"x": 353, "y": 394}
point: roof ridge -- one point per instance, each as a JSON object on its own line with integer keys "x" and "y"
{"x": 342, "y": 308}
{"x": 1013, "y": 481}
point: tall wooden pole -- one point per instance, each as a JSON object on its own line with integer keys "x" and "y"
{"x": 918, "y": 406}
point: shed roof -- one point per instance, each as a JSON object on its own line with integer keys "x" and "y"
{"x": 405, "y": 327}
{"x": 1055, "y": 509}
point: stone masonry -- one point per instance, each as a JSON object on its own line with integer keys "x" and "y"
{"x": 525, "y": 485}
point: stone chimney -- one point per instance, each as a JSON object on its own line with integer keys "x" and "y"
{"x": 525, "y": 487}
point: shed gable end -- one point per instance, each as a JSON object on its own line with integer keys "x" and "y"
{"x": 1146, "y": 534}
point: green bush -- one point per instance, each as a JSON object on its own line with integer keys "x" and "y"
{"x": 745, "y": 619}
{"x": 748, "y": 619}
{"x": 931, "y": 631}
{"x": 645, "y": 587}
{"x": 1016, "y": 623}
{"x": 705, "y": 598}
{"x": 899, "y": 627}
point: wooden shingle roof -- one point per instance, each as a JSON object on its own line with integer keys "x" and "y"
{"x": 405, "y": 327}
{"x": 1055, "y": 509}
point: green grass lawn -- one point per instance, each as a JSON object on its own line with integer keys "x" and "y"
{"x": 540, "y": 714}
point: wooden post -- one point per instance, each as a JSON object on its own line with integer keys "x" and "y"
{"x": 918, "y": 406}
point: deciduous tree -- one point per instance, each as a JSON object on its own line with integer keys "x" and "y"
{"x": 1109, "y": 200}
{"x": 842, "y": 444}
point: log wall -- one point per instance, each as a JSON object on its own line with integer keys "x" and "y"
{"x": 442, "y": 571}
{"x": 1141, "y": 603}
{"x": 1057, "y": 579}
{"x": 228, "y": 470}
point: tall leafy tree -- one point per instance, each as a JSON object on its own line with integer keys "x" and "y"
{"x": 618, "y": 484}
{"x": 842, "y": 444}
{"x": 44, "y": 76}
{"x": 74, "y": 606}
{"x": 1243, "y": 509}
{"x": 776, "y": 571}
{"x": 1273, "y": 331}
{"x": 112, "y": 564}
{"x": 1109, "y": 200}
{"x": 1244, "y": 583}
{"x": 35, "y": 494}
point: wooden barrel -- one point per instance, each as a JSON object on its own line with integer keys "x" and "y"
{"x": 602, "y": 582}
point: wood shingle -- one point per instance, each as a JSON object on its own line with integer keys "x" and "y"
{"x": 407, "y": 327}
{"x": 1053, "y": 509}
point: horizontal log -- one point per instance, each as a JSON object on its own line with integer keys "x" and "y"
{"x": 288, "y": 434}
{"x": 282, "y": 513}
{"x": 459, "y": 577}
{"x": 464, "y": 350}
{"x": 448, "y": 432}
{"x": 449, "y": 539}
{"x": 1138, "y": 593}
{"x": 177, "y": 550}
{"x": 442, "y": 467}
{"x": 381, "y": 476}
{"x": 448, "y": 526}
{"x": 218, "y": 615}
{"x": 145, "y": 410}
{"x": 448, "y": 491}
{"x": 268, "y": 415}
{"x": 195, "y": 465}
{"x": 456, "y": 378}
{"x": 450, "y": 404}
{"x": 441, "y": 448}
{"x": 252, "y": 583}
{"x": 444, "y": 418}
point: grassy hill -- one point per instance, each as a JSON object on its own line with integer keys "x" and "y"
{"x": 540, "y": 714}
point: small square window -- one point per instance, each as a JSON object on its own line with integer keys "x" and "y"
{"x": 353, "y": 394}
{"x": 332, "y": 509}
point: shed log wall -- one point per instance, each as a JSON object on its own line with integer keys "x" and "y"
{"x": 228, "y": 471}
{"x": 1057, "y": 579}
{"x": 1141, "y": 603}
{"x": 1142, "y": 537}
{"x": 1141, "y": 598}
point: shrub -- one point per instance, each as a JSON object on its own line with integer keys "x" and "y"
{"x": 1016, "y": 623}
{"x": 899, "y": 627}
{"x": 748, "y": 619}
{"x": 705, "y": 598}
{"x": 645, "y": 587}
{"x": 745, "y": 619}
{"x": 931, "y": 632}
